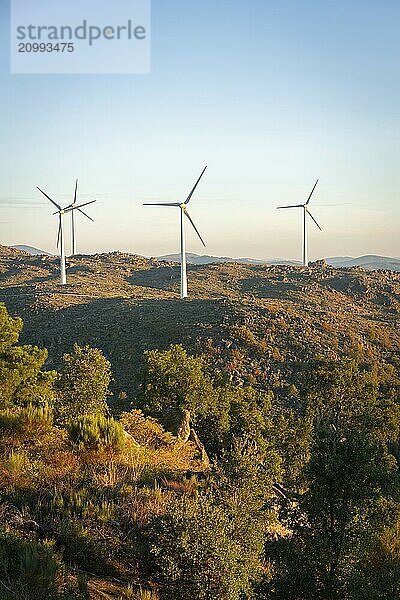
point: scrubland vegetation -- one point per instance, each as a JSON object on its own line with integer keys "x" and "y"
{"x": 296, "y": 501}
{"x": 106, "y": 490}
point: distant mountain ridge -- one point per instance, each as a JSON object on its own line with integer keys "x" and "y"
{"x": 30, "y": 250}
{"x": 369, "y": 261}
{"x": 205, "y": 259}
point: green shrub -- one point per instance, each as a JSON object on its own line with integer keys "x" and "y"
{"x": 36, "y": 418}
{"x": 33, "y": 419}
{"x": 81, "y": 504}
{"x": 32, "y": 570}
{"x": 198, "y": 555}
{"x": 82, "y": 386}
{"x": 96, "y": 432}
{"x": 141, "y": 594}
{"x": 9, "y": 420}
{"x": 86, "y": 547}
{"x": 17, "y": 463}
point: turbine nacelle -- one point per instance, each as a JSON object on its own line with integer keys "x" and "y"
{"x": 72, "y": 207}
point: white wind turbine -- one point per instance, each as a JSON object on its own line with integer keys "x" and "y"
{"x": 184, "y": 213}
{"x": 73, "y": 231}
{"x": 60, "y": 237}
{"x": 305, "y": 223}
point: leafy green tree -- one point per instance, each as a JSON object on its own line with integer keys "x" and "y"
{"x": 220, "y": 411}
{"x": 292, "y": 435}
{"x": 348, "y": 481}
{"x": 349, "y": 475}
{"x": 174, "y": 379}
{"x": 10, "y": 328}
{"x": 240, "y": 413}
{"x": 243, "y": 481}
{"x": 195, "y": 553}
{"x": 211, "y": 546}
{"x": 377, "y": 575}
{"x": 82, "y": 385}
{"x": 22, "y": 380}
{"x": 342, "y": 392}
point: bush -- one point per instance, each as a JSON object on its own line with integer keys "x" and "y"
{"x": 96, "y": 432}
{"x": 85, "y": 547}
{"x": 145, "y": 430}
{"x": 82, "y": 386}
{"x": 32, "y": 570}
{"x": 173, "y": 379}
{"x": 17, "y": 462}
{"x": 9, "y": 420}
{"x": 141, "y": 594}
{"x": 198, "y": 555}
{"x": 34, "y": 420}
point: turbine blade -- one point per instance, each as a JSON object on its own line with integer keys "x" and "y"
{"x": 195, "y": 186}
{"x": 48, "y": 197}
{"x": 292, "y": 206}
{"x": 161, "y": 204}
{"x": 312, "y": 191}
{"x": 76, "y": 191}
{"x": 314, "y": 220}
{"x": 194, "y": 227}
{"x": 81, "y": 211}
{"x": 59, "y": 233}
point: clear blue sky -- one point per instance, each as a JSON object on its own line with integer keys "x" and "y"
{"x": 270, "y": 94}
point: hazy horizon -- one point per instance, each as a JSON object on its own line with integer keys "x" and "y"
{"x": 270, "y": 95}
{"x": 189, "y": 254}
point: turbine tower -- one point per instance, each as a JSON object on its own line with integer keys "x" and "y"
{"x": 73, "y": 231}
{"x": 305, "y": 223}
{"x": 60, "y": 236}
{"x": 183, "y": 213}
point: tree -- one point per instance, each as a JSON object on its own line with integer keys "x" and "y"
{"x": 9, "y": 328}
{"x": 219, "y": 410}
{"x": 377, "y": 576}
{"x": 195, "y": 554}
{"x": 344, "y": 392}
{"x": 211, "y": 546}
{"x": 348, "y": 482}
{"x": 173, "y": 379}
{"x": 82, "y": 386}
{"x": 22, "y": 380}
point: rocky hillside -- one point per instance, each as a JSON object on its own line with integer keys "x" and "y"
{"x": 257, "y": 322}
{"x": 11, "y": 252}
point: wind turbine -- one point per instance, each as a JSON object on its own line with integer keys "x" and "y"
{"x": 73, "y": 232}
{"x": 183, "y": 213}
{"x": 60, "y": 237}
{"x": 305, "y": 223}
